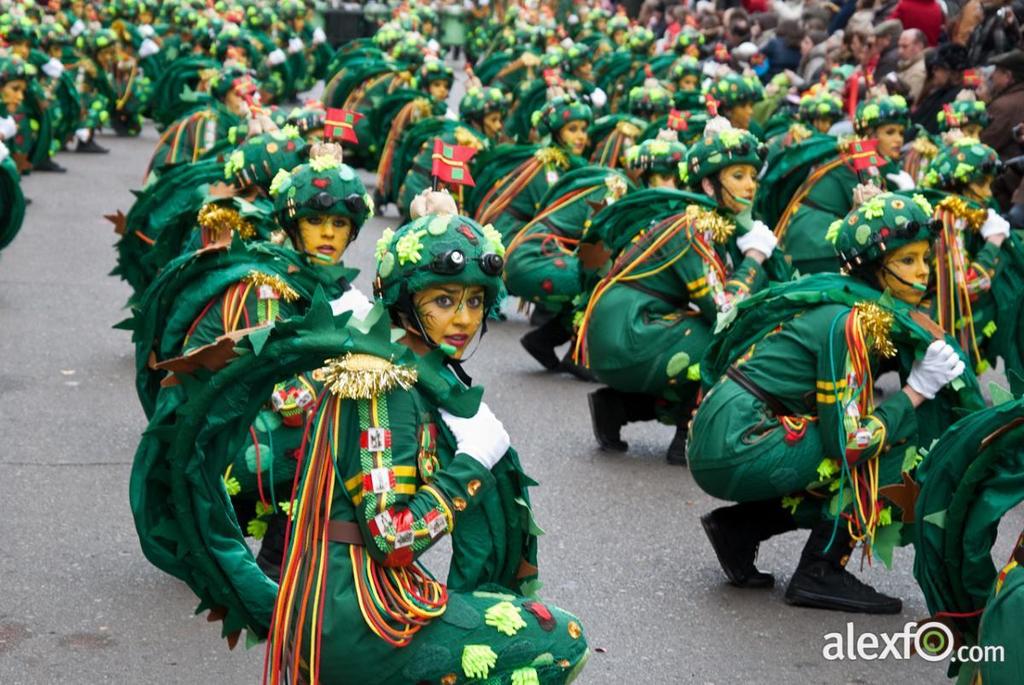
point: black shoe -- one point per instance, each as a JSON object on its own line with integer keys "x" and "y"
{"x": 91, "y": 147}
{"x": 823, "y": 586}
{"x": 735, "y": 545}
{"x": 540, "y": 316}
{"x": 49, "y": 165}
{"x": 581, "y": 372}
{"x": 607, "y": 417}
{"x": 676, "y": 453}
{"x": 535, "y": 342}
{"x": 271, "y": 553}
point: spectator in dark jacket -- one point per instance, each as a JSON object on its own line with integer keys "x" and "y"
{"x": 921, "y": 14}
{"x": 783, "y": 51}
{"x": 886, "y": 47}
{"x": 1005, "y": 111}
{"x": 945, "y": 66}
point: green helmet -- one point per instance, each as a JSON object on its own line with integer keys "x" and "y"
{"x": 324, "y": 185}
{"x": 559, "y": 112}
{"x": 387, "y": 36}
{"x": 309, "y": 117}
{"x": 577, "y": 55}
{"x": 19, "y": 31}
{"x": 688, "y": 37}
{"x": 965, "y": 161}
{"x": 433, "y": 70}
{"x": 409, "y": 49}
{"x": 684, "y": 66}
{"x": 824, "y": 105}
{"x": 478, "y": 101}
{"x": 650, "y": 100}
{"x": 885, "y": 222}
{"x": 890, "y": 109}
{"x": 257, "y": 161}
{"x": 620, "y": 22}
{"x": 732, "y": 89}
{"x": 640, "y": 40}
{"x": 94, "y": 41}
{"x": 663, "y": 155}
{"x": 959, "y": 113}
{"x": 719, "y": 149}
{"x": 53, "y": 34}
{"x": 13, "y": 68}
{"x": 435, "y": 249}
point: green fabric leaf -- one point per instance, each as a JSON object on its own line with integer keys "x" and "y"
{"x": 937, "y": 518}
{"x": 885, "y": 540}
{"x": 267, "y": 421}
{"x": 258, "y": 337}
{"x": 999, "y": 394}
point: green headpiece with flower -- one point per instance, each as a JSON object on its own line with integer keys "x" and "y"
{"x": 688, "y": 37}
{"x": 577, "y": 55}
{"x": 960, "y": 113}
{"x": 640, "y": 40}
{"x": 92, "y": 42}
{"x": 257, "y": 161}
{"x": 437, "y": 249}
{"x": 620, "y": 22}
{"x": 732, "y": 89}
{"x": 880, "y": 111}
{"x": 478, "y": 101}
{"x": 559, "y": 112}
{"x": 53, "y": 34}
{"x": 650, "y": 100}
{"x": 13, "y": 68}
{"x": 965, "y": 161}
{"x": 884, "y": 223}
{"x": 433, "y": 70}
{"x": 656, "y": 155}
{"x": 18, "y": 30}
{"x": 719, "y": 149}
{"x": 223, "y": 82}
{"x": 684, "y": 66}
{"x": 410, "y": 49}
{"x": 388, "y": 36}
{"x": 323, "y": 186}
{"x": 824, "y": 105}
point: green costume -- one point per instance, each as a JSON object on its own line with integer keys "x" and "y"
{"x": 12, "y": 202}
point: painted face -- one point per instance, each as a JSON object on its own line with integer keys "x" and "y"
{"x": 739, "y": 116}
{"x": 904, "y": 268}
{"x": 451, "y": 313}
{"x": 493, "y": 125}
{"x": 822, "y": 125}
{"x": 657, "y": 179}
{"x": 13, "y": 94}
{"x": 739, "y": 186}
{"x": 980, "y": 190}
{"x": 21, "y": 49}
{"x": 619, "y": 37}
{"x": 439, "y": 90}
{"x": 584, "y": 71}
{"x": 688, "y": 82}
{"x": 325, "y": 237}
{"x": 236, "y": 104}
{"x": 971, "y": 130}
{"x": 574, "y": 136}
{"x": 890, "y": 140}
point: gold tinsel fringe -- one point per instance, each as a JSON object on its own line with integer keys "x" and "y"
{"x": 958, "y": 208}
{"x": 701, "y": 219}
{"x": 628, "y": 129}
{"x": 222, "y": 220}
{"x": 363, "y": 376}
{"x": 552, "y": 156}
{"x": 925, "y": 147}
{"x": 258, "y": 278}
{"x": 466, "y": 139}
{"x": 876, "y": 324}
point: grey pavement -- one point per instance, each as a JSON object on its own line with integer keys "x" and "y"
{"x": 623, "y": 547}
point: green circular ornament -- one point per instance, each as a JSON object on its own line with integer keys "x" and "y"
{"x": 387, "y": 265}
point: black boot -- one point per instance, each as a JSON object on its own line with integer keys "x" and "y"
{"x": 736, "y": 532}
{"x": 541, "y": 343}
{"x": 91, "y": 147}
{"x": 271, "y": 553}
{"x": 577, "y": 370}
{"x": 676, "y": 453}
{"x": 611, "y": 409}
{"x": 49, "y": 165}
{"x": 822, "y": 581}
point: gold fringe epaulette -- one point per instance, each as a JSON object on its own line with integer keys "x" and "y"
{"x": 466, "y": 139}
{"x": 924, "y": 147}
{"x": 701, "y": 219}
{"x": 222, "y": 220}
{"x": 628, "y": 129}
{"x": 258, "y": 278}
{"x": 876, "y": 324}
{"x": 552, "y": 156}
{"x": 363, "y": 376}
{"x": 616, "y": 186}
{"x": 958, "y": 208}
{"x": 798, "y": 133}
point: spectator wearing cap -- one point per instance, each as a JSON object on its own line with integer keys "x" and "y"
{"x": 886, "y": 48}
{"x": 945, "y": 67}
{"x": 911, "y": 71}
{"x": 1006, "y": 110}
{"x": 925, "y": 15}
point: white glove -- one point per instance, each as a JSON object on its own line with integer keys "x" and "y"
{"x": 433, "y": 46}
{"x": 276, "y": 57}
{"x": 468, "y": 5}
{"x": 295, "y": 45}
{"x": 8, "y": 129}
{"x": 598, "y": 98}
{"x": 4, "y": 152}
{"x": 319, "y": 36}
{"x": 759, "y": 238}
{"x": 54, "y": 68}
{"x": 940, "y": 365}
{"x": 481, "y": 437}
{"x": 82, "y": 134}
{"x": 902, "y": 180}
{"x": 995, "y": 225}
{"x": 147, "y": 48}
{"x": 77, "y": 28}
{"x": 573, "y": 20}
{"x": 147, "y": 31}
{"x": 352, "y": 301}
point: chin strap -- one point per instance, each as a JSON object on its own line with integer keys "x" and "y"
{"x": 456, "y": 366}
{"x": 916, "y": 286}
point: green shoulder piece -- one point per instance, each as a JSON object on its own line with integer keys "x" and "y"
{"x": 785, "y": 170}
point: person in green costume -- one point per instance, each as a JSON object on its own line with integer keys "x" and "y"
{"x": 613, "y": 135}
{"x": 28, "y": 124}
{"x": 736, "y": 96}
{"x": 485, "y": 108}
{"x": 979, "y": 263}
{"x": 828, "y": 192}
{"x": 655, "y": 162}
{"x": 685, "y": 74}
{"x": 646, "y": 322}
{"x": 795, "y": 412}
{"x": 514, "y": 179}
{"x": 821, "y": 111}
{"x": 12, "y": 202}
{"x": 412, "y": 473}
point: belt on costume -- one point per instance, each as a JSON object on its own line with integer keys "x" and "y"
{"x": 770, "y": 401}
{"x": 636, "y": 285}
{"x": 345, "y": 531}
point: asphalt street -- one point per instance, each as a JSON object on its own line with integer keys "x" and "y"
{"x": 623, "y": 548}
